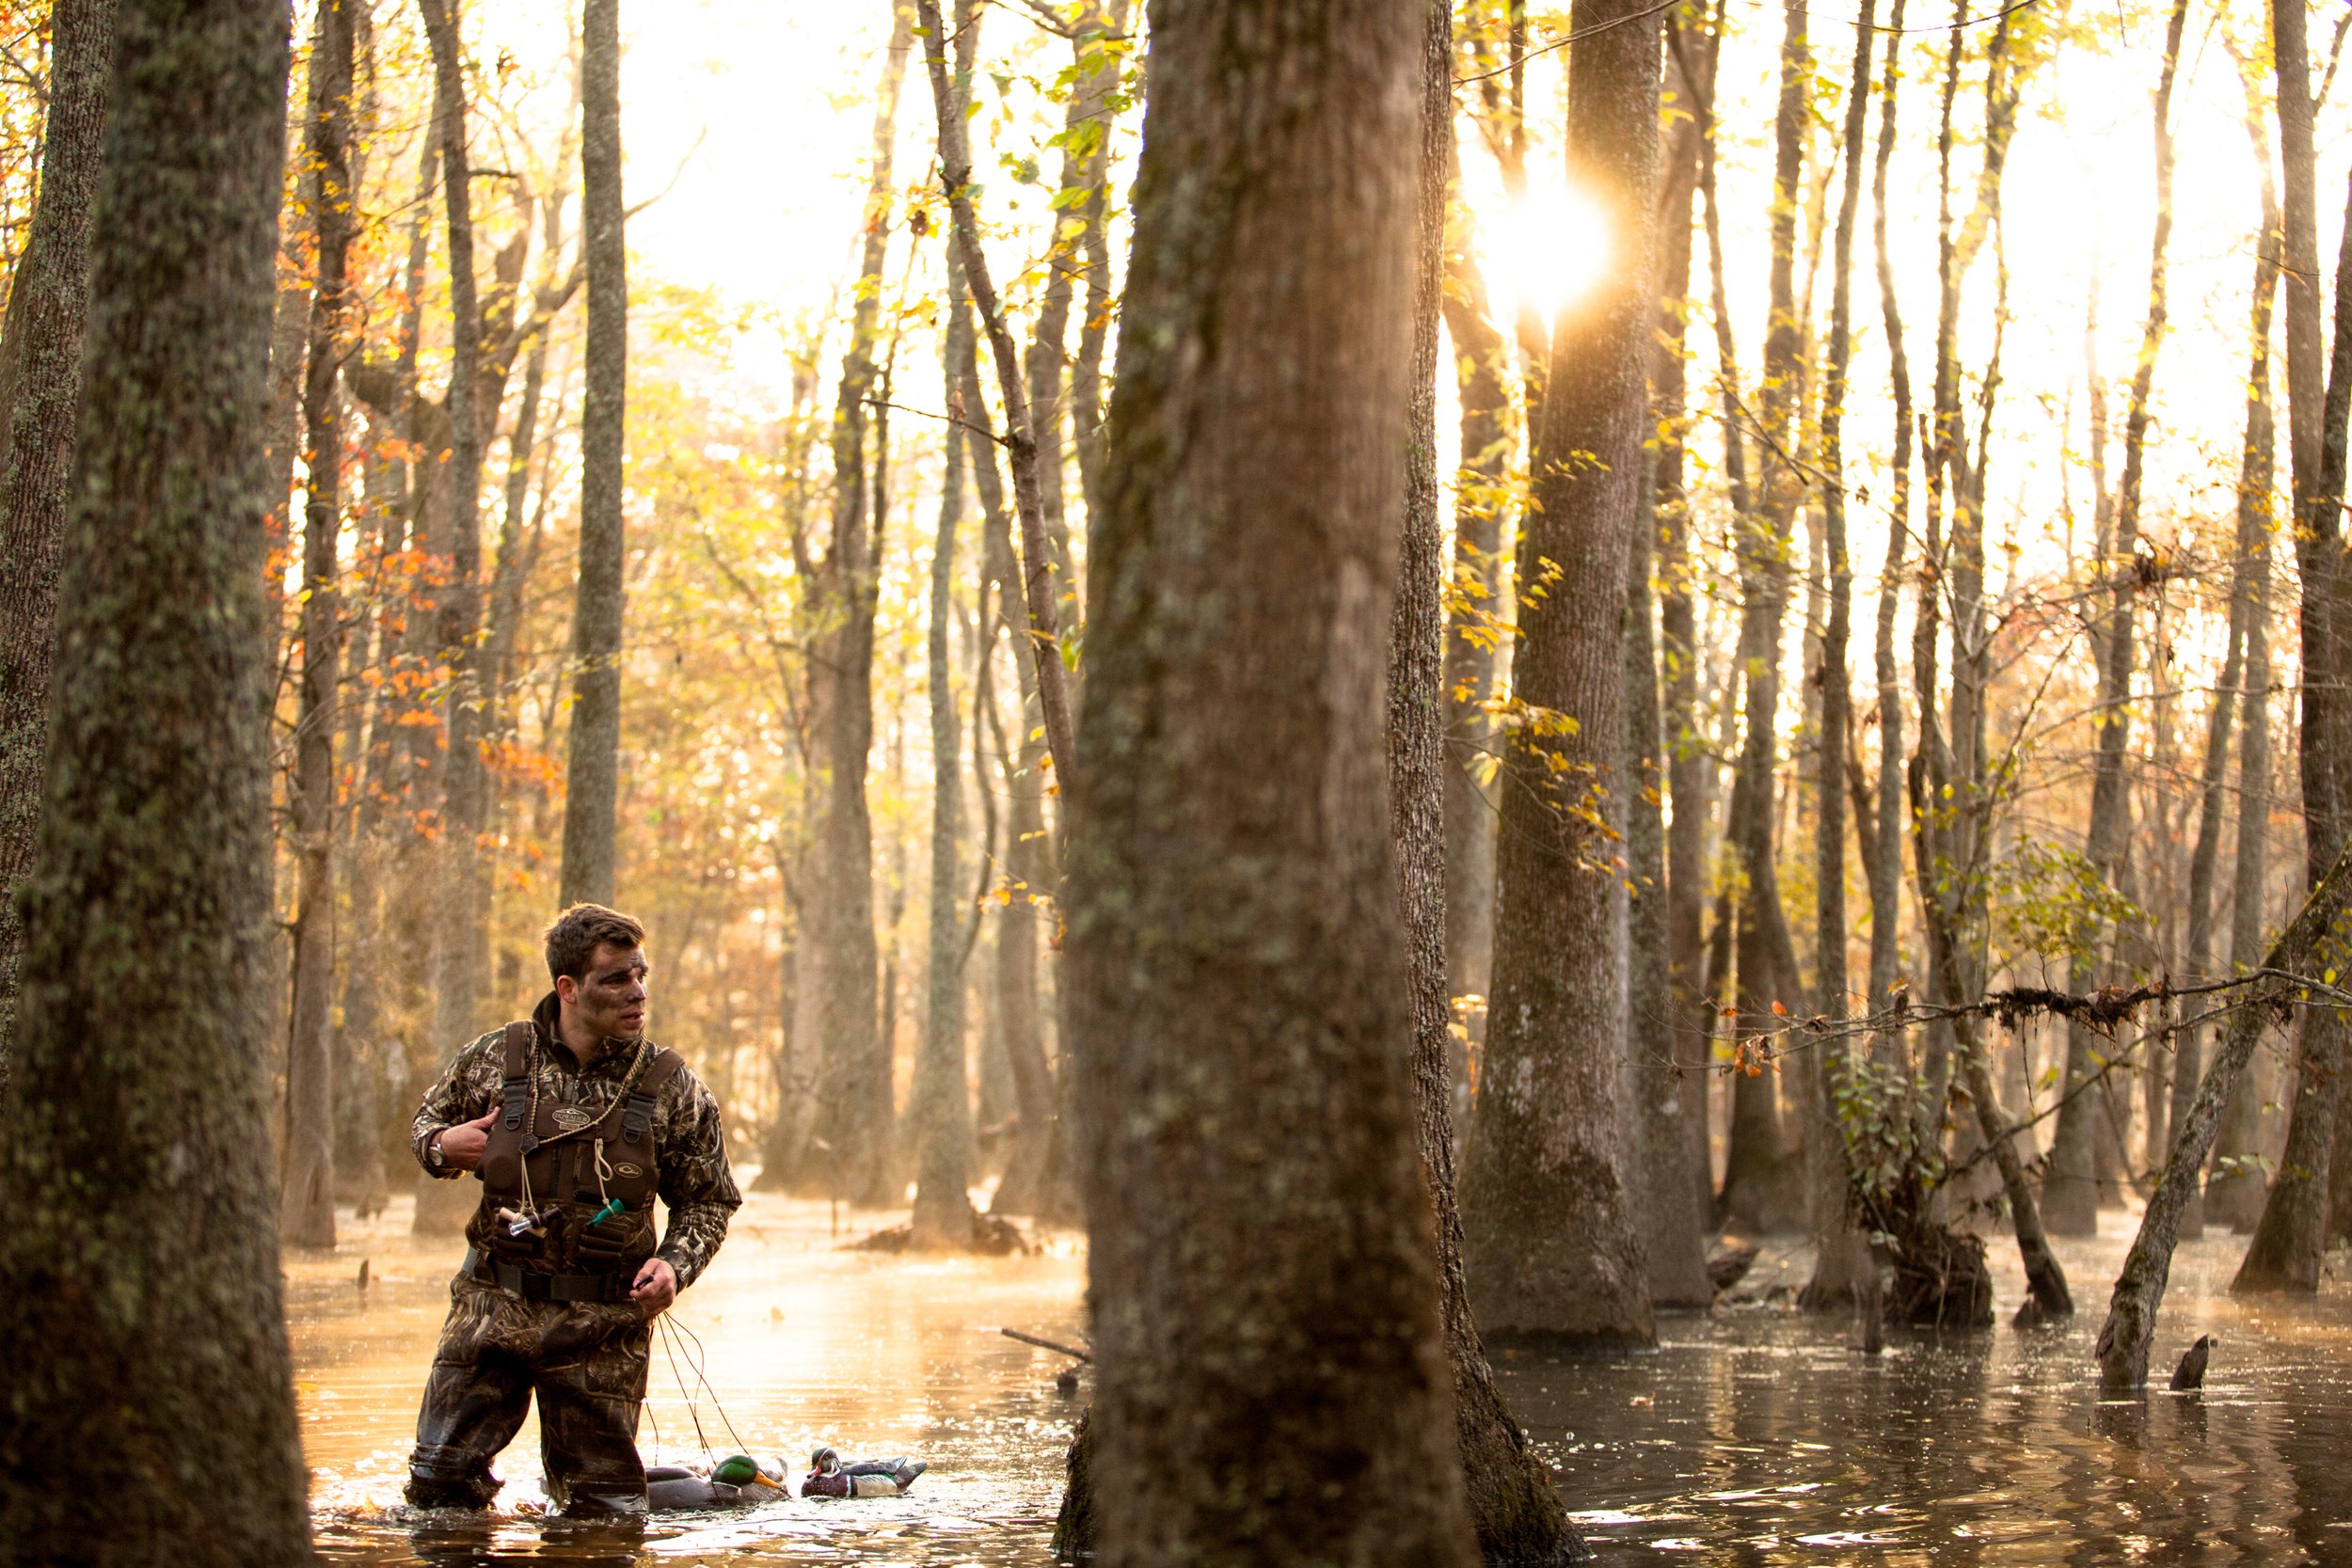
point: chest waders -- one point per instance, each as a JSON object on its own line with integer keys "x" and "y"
{"x": 579, "y": 1188}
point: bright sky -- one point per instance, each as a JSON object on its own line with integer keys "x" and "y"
{"x": 760, "y": 112}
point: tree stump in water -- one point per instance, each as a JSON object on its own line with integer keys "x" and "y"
{"x": 1941, "y": 1280}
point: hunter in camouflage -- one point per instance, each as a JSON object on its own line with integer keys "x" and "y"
{"x": 575, "y": 1122}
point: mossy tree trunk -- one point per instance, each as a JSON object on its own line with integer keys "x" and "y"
{"x": 1517, "y": 1514}
{"x": 40, "y": 396}
{"x": 140, "y": 1258}
{"x": 1552, "y": 1237}
{"x": 1273, "y": 1385}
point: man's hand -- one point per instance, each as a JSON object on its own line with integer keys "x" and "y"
{"x": 656, "y": 1287}
{"x": 462, "y": 1145}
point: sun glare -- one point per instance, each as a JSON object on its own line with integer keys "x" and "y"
{"x": 1543, "y": 248}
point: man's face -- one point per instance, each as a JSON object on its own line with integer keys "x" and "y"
{"x": 611, "y": 998}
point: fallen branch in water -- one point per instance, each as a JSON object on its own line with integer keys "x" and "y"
{"x": 1047, "y": 1344}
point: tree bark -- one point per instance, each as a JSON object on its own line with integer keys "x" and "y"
{"x": 1517, "y": 1515}
{"x": 1759, "y": 1181}
{"x": 1883, "y": 856}
{"x": 1039, "y": 593}
{"x": 463, "y": 896}
{"x": 942, "y": 1101}
{"x": 307, "y": 1191}
{"x": 1249, "y": 1153}
{"x": 1842, "y": 1263}
{"x": 1688, "y": 768}
{"x": 2285, "y": 1253}
{"x": 1669, "y": 1204}
{"x": 2235, "y": 1193}
{"x": 592, "y": 768}
{"x": 1085, "y": 374}
{"x": 1550, "y": 1233}
{"x": 1085, "y": 160}
{"x": 1474, "y": 633}
{"x": 2070, "y": 1192}
{"x": 838, "y": 989}
{"x": 2131, "y": 1324}
{"x": 140, "y": 1255}
{"x": 1668, "y": 1093}
{"x": 1028, "y": 865}
{"x": 41, "y": 397}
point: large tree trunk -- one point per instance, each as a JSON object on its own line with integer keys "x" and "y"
{"x": 1842, "y": 1265}
{"x": 591, "y": 770}
{"x": 2286, "y": 1249}
{"x": 1513, "y": 1508}
{"x": 2071, "y": 1194}
{"x": 1550, "y": 1232}
{"x": 463, "y": 910}
{"x": 40, "y": 395}
{"x": 1249, "y": 1163}
{"x": 840, "y": 987}
{"x": 140, "y": 1258}
{"x": 306, "y": 1194}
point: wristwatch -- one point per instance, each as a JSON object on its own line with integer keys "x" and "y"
{"x": 433, "y": 1151}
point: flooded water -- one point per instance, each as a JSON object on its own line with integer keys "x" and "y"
{"x": 1753, "y": 1435}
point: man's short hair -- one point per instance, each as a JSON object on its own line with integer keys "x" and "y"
{"x": 579, "y": 931}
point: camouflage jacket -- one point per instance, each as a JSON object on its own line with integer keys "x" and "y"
{"x": 691, "y": 1173}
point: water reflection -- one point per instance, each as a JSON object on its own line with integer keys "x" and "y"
{"x": 1753, "y": 1436}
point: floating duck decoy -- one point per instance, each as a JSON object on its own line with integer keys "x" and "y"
{"x": 737, "y": 1480}
{"x": 828, "y": 1477}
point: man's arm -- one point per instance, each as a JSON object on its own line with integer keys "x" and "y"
{"x": 693, "y": 1180}
{"x": 464, "y": 1093}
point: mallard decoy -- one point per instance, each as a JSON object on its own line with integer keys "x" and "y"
{"x": 828, "y": 1477}
{"x": 736, "y": 1481}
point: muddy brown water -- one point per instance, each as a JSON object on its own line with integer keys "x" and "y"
{"x": 1753, "y": 1435}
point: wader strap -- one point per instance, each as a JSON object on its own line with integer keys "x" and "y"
{"x": 514, "y": 1090}
{"x": 532, "y": 1286}
{"x": 637, "y": 1114}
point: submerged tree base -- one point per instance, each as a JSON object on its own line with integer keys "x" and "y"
{"x": 991, "y": 1237}
{"x": 1940, "y": 1280}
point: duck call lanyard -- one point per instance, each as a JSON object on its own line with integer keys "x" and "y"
{"x": 521, "y": 1108}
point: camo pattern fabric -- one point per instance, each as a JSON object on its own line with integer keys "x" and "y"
{"x": 587, "y": 1363}
{"x": 691, "y": 1162}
